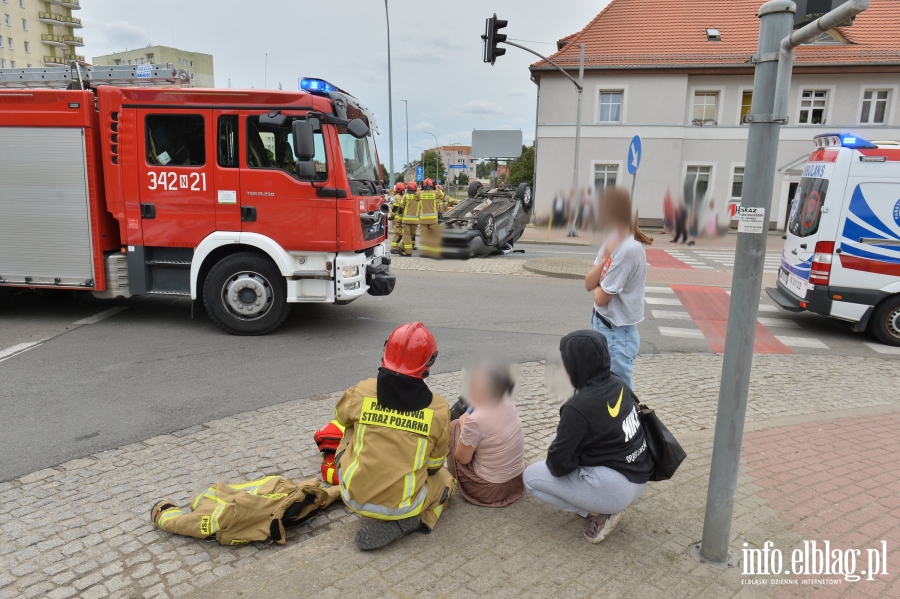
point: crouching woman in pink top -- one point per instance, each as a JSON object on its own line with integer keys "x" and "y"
{"x": 487, "y": 447}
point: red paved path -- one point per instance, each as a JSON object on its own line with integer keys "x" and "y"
{"x": 708, "y": 307}
{"x": 662, "y": 259}
{"x": 835, "y": 480}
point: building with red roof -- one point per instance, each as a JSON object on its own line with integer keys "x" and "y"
{"x": 680, "y": 75}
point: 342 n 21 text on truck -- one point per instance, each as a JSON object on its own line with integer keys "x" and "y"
{"x": 245, "y": 200}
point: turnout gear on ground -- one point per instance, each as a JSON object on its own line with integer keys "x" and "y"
{"x": 236, "y": 514}
{"x": 392, "y": 455}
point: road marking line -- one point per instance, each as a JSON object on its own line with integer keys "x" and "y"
{"x": 778, "y": 322}
{"x": 883, "y": 349}
{"x": 683, "y": 333}
{"x": 671, "y": 314}
{"x": 100, "y": 316}
{"x": 15, "y": 350}
{"x": 802, "y": 342}
{"x": 663, "y": 301}
{"x": 658, "y": 290}
{"x": 768, "y": 308}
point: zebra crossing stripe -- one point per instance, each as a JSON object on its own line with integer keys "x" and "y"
{"x": 883, "y": 349}
{"x": 670, "y": 315}
{"x": 777, "y": 323}
{"x": 662, "y": 301}
{"x": 683, "y": 333}
{"x": 802, "y": 342}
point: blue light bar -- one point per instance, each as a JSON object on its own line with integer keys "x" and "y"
{"x": 847, "y": 140}
{"x": 317, "y": 86}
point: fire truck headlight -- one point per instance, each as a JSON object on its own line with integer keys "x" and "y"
{"x": 351, "y": 271}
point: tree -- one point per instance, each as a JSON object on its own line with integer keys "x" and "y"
{"x": 483, "y": 170}
{"x": 521, "y": 170}
{"x": 434, "y": 166}
{"x": 385, "y": 175}
{"x": 462, "y": 179}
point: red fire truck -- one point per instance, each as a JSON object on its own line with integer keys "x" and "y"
{"x": 124, "y": 184}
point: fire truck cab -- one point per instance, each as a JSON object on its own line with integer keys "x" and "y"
{"x": 246, "y": 200}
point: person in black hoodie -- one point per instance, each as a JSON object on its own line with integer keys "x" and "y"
{"x": 598, "y": 462}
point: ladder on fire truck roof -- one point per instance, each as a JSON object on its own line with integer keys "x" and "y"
{"x": 77, "y": 76}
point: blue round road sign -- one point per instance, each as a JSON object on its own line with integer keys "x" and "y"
{"x": 634, "y": 154}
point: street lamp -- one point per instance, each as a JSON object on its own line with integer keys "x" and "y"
{"x": 437, "y": 154}
{"x": 390, "y": 100}
{"x": 406, "y": 106}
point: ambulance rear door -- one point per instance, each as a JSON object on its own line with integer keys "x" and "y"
{"x": 811, "y": 220}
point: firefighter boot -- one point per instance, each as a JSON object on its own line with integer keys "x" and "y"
{"x": 384, "y": 532}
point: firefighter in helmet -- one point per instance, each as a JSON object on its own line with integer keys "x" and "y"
{"x": 397, "y": 215}
{"x": 429, "y": 204}
{"x": 410, "y": 219}
{"x": 396, "y": 438}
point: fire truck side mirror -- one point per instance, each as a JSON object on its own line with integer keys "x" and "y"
{"x": 357, "y": 128}
{"x": 304, "y": 142}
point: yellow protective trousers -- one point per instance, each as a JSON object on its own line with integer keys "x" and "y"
{"x": 431, "y": 240}
{"x": 409, "y": 238}
{"x": 256, "y": 510}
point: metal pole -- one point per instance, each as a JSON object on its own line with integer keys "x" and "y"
{"x": 573, "y": 231}
{"x": 633, "y": 181}
{"x": 537, "y": 113}
{"x": 406, "y": 106}
{"x": 390, "y": 99}
{"x": 771, "y": 74}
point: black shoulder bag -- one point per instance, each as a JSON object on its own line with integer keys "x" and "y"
{"x": 665, "y": 450}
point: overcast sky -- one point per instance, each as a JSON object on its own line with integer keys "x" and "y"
{"x": 435, "y": 53}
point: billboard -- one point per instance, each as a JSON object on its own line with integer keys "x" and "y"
{"x": 497, "y": 143}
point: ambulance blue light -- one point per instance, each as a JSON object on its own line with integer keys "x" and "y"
{"x": 316, "y": 86}
{"x": 851, "y": 141}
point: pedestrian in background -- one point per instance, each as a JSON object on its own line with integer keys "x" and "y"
{"x": 487, "y": 445}
{"x": 617, "y": 282}
{"x": 598, "y": 462}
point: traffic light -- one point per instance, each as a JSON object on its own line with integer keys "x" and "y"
{"x": 491, "y": 38}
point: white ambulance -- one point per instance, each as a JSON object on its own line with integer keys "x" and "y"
{"x": 841, "y": 255}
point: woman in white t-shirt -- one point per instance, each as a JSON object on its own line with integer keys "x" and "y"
{"x": 487, "y": 446}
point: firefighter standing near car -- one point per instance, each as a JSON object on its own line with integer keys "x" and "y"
{"x": 429, "y": 203}
{"x": 410, "y": 219}
{"x": 396, "y": 438}
{"x": 397, "y": 216}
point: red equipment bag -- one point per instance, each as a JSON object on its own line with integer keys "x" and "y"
{"x": 327, "y": 440}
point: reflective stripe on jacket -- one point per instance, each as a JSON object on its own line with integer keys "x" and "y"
{"x": 386, "y": 454}
{"x": 411, "y": 209}
{"x": 398, "y": 207}
{"x": 428, "y": 205}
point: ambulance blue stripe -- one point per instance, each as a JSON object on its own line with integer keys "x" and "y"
{"x": 801, "y": 270}
{"x": 860, "y": 208}
{"x": 893, "y": 257}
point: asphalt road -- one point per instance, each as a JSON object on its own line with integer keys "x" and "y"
{"x": 150, "y": 369}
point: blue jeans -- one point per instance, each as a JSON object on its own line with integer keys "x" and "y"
{"x": 624, "y": 344}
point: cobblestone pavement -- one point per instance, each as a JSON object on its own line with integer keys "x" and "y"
{"x": 82, "y": 528}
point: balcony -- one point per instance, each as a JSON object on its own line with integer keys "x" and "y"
{"x": 73, "y": 40}
{"x": 51, "y": 18}
{"x": 71, "y": 4}
{"x": 56, "y": 41}
{"x": 54, "y": 61}
{"x": 78, "y": 57}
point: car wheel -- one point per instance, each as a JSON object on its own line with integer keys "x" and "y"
{"x": 485, "y": 226}
{"x": 523, "y": 194}
{"x": 475, "y": 188}
{"x": 885, "y": 323}
{"x": 245, "y": 294}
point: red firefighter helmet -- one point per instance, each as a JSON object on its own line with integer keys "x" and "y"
{"x": 412, "y": 187}
{"x": 410, "y": 350}
{"x": 399, "y": 187}
{"x": 441, "y": 187}
{"x": 428, "y": 183}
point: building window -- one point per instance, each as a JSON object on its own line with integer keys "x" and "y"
{"x": 12, "y": 64}
{"x": 9, "y": 42}
{"x": 24, "y": 24}
{"x": 2, "y": 63}
{"x": 27, "y": 47}
{"x": 696, "y": 186}
{"x": 874, "y": 106}
{"x": 21, "y": 3}
{"x": 705, "y": 104}
{"x": 605, "y": 175}
{"x": 737, "y": 183}
{"x": 812, "y": 107}
{"x": 746, "y": 103}
{"x": 176, "y": 139}
{"x": 8, "y": 21}
{"x": 610, "y": 107}
{"x": 192, "y": 63}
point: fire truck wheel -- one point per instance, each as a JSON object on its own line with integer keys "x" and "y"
{"x": 246, "y": 295}
{"x": 885, "y": 322}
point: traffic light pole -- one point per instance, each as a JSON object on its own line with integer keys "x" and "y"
{"x": 771, "y": 83}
